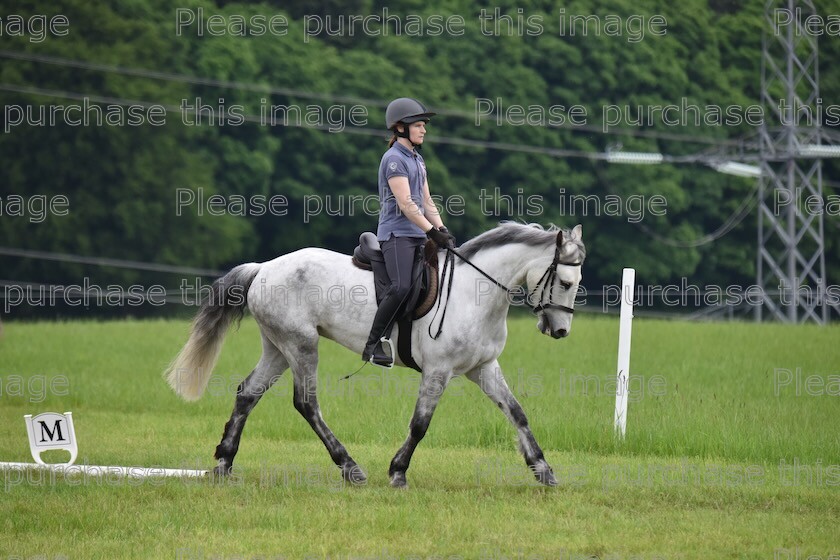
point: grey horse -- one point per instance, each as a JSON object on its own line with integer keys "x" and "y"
{"x": 301, "y": 296}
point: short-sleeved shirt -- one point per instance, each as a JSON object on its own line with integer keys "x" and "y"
{"x": 399, "y": 161}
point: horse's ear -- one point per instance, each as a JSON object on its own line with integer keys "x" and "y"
{"x": 577, "y": 232}
{"x": 560, "y": 238}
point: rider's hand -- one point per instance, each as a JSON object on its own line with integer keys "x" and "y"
{"x": 440, "y": 238}
{"x": 452, "y": 243}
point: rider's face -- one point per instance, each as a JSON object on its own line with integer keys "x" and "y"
{"x": 416, "y": 132}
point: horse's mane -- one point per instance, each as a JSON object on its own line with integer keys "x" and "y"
{"x": 515, "y": 232}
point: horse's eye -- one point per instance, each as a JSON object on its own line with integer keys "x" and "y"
{"x": 566, "y": 285}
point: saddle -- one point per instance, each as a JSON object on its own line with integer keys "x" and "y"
{"x": 368, "y": 256}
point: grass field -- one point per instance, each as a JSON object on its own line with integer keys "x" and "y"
{"x": 733, "y": 450}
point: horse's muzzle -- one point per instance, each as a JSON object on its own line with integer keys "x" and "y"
{"x": 544, "y": 326}
{"x": 559, "y": 333}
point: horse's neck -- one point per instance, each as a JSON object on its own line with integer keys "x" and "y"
{"x": 508, "y": 265}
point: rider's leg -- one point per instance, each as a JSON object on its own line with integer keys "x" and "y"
{"x": 399, "y": 253}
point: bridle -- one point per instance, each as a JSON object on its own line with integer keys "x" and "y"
{"x": 548, "y": 276}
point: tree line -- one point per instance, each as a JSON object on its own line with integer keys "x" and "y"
{"x": 262, "y": 133}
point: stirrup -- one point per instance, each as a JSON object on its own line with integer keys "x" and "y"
{"x": 384, "y": 341}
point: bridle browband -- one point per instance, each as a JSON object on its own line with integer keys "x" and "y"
{"x": 549, "y": 275}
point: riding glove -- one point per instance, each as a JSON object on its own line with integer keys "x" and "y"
{"x": 452, "y": 237}
{"x": 441, "y": 238}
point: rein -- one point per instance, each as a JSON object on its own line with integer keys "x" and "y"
{"x": 550, "y": 274}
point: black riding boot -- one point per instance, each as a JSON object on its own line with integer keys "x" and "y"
{"x": 383, "y": 323}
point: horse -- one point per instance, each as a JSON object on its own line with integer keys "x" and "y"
{"x": 286, "y": 298}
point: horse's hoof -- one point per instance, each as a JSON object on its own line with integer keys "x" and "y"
{"x": 398, "y": 480}
{"x": 221, "y": 471}
{"x": 544, "y": 475}
{"x": 353, "y": 474}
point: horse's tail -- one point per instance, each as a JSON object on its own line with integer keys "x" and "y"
{"x": 190, "y": 371}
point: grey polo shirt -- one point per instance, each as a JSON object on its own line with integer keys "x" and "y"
{"x": 399, "y": 161}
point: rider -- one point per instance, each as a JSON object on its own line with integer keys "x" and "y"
{"x": 407, "y": 215}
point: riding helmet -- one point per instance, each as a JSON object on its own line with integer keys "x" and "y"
{"x": 406, "y": 110}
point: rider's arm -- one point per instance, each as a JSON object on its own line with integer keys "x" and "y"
{"x": 409, "y": 208}
{"x": 432, "y": 213}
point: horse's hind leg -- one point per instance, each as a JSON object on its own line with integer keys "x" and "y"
{"x": 271, "y": 366}
{"x": 492, "y": 382}
{"x": 432, "y": 385}
{"x": 304, "y": 359}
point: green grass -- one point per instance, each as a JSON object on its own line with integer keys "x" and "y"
{"x": 705, "y": 414}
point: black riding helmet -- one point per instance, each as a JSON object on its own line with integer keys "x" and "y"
{"x": 405, "y": 110}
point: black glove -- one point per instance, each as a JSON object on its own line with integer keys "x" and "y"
{"x": 441, "y": 239}
{"x": 451, "y": 237}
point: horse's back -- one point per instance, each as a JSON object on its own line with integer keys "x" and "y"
{"x": 314, "y": 288}
{"x": 311, "y": 266}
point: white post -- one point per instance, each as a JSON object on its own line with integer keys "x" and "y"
{"x": 628, "y": 281}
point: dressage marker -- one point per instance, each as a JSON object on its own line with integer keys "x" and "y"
{"x": 628, "y": 280}
{"x": 52, "y": 431}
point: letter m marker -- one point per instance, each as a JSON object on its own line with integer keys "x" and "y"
{"x": 51, "y": 430}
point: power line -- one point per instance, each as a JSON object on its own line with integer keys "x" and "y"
{"x": 104, "y": 261}
{"x": 184, "y": 78}
{"x": 504, "y": 146}
{"x": 37, "y": 294}
{"x": 381, "y": 103}
{"x": 744, "y": 208}
{"x": 168, "y": 108}
{"x": 747, "y": 205}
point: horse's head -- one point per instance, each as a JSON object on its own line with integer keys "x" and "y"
{"x": 553, "y": 289}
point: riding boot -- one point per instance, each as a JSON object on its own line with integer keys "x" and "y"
{"x": 383, "y": 324}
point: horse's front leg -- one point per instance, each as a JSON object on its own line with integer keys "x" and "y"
{"x": 431, "y": 387}
{"x": 489, "y": 377}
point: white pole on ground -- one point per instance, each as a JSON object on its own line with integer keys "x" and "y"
{"x": 101, "y": 470}
{"x": 628, "y": 285}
